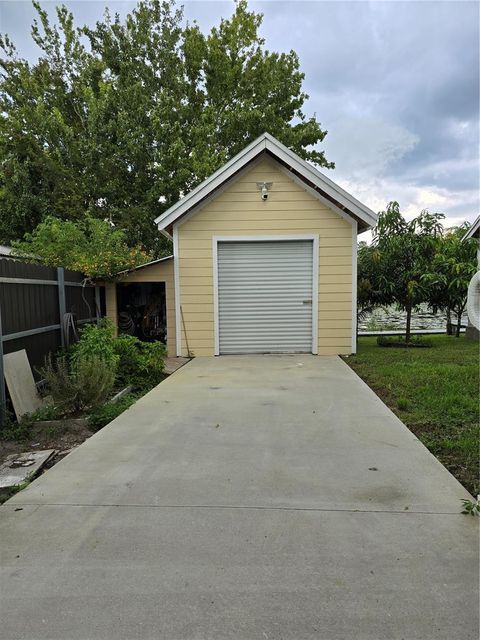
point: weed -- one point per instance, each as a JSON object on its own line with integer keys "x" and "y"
{"x": 403, "y": 404}
{"x": 108, "y": 412}
{"x": 399, "y": 342}
{"x": 471, "y": 507}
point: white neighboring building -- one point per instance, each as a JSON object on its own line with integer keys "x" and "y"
{"x": 5, "y": 251}
{"x": 473, "y": 301}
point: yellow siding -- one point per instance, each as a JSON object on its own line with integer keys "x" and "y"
{"x": 159, "y": 272}
{"x": 289, "y": 210}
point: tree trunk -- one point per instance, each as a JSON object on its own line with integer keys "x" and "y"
{"x": 409, "y": 319}
{"x": 459, "y": 324}
{"x": 449, "y": 322}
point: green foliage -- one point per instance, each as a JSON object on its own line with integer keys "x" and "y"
{"x": 97, "y": 341}
{"x": 392, "y": 269}
{"x": 451, "y": 270}
{"x": 140, "y": 363}
{"x": 400, "y": 341}
{"x": 101, "y": 416}
{"x": 119, "y": 120}
{"x": 403, "y": 404}
{"x": 441, "y": 385}
{"x": 133, "y": 361}
{"x": 90, "y": 245}
{"x": 46, "y": 412}
{"x": 19, "y": 431}
{"x": 84, "y": 385}
{"x": 471, "y": 507}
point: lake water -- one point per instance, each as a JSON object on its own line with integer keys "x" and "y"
{"x": 390, "y": 318}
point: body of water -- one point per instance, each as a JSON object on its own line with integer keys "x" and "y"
{"x": 389, "y": 318}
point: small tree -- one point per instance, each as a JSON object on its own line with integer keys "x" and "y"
{"x": 92, "y": 246}
{"x": 450, "y": 272}
{"x": 403, "y": 252}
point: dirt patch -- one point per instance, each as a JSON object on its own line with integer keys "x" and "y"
{"x": 61, "y": 435}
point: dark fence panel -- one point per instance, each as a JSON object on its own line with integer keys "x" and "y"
{"x": 27, "y": 306}
{"x": 80, "y": 301}
{"x": 17, "y": 269}
{"x": 37, "y": 347}
{"x": 33, "y": 300}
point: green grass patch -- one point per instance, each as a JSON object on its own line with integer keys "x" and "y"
{"x": 435, "y": 393}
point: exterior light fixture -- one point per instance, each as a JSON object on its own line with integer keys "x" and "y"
{"x": 264, "y": 187}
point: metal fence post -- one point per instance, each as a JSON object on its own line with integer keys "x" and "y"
{"x": 98, "y": 311}
{"x": 62, "y": 308}
{"x": 3, "y": 395}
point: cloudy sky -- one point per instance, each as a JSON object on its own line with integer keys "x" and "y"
{"x": 395, "y": 83}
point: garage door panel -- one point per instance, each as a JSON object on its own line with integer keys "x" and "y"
{"x": 265, "y": 296}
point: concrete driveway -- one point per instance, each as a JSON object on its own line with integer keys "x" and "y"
{"x": 266, "y": 497}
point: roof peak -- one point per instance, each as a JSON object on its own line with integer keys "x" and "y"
{"x": 336, "y": 197}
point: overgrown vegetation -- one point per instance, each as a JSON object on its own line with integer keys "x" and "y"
{"x": 82, "y": 379}
{"x": 78, "y": 385}
{"x": 101, "y": 416}
{"x": 140, "y": 363}
{"x": 435, "y": 393}
{"x": 91, "y": 246}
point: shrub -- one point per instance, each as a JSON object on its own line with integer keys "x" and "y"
{"x": 97, "y": 341}
{"x": 133, "y": 361}
{"x": 46, "y": 412}
{"x": 94, "y": 379}
{"x": 140, "y": 363}
{"x": 101, "y": 416}
{"x": 84, "y": 385}
{"x": 400, "y": 342}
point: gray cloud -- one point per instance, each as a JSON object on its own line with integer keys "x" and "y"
{"x": 395, "y": 83}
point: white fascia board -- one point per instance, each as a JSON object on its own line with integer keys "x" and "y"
{"x": 473, "y": 229}
{"x": 145, "y": 264}
{"x": 320, "y": 180}
{"x": 211, "y": 183}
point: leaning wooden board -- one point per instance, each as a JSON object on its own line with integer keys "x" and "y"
{"x": 20, "y": 383}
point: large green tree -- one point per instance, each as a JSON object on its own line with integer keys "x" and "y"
{"x": 393, "y": 268}
{"x": 119, "y": 120}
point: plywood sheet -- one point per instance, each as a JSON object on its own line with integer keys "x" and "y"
{"x": 20, "y": 383}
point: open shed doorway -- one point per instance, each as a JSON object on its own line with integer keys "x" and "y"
{"x": 142, "y": 310}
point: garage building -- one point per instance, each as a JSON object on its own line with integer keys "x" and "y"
{"x": 264, "y": 259}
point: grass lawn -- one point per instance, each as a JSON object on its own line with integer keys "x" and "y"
{"x": 435, "y": 392}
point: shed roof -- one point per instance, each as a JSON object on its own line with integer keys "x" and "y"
{"x": 474, "y": 230}
{"x": 146, "y": 264}
{"x": 327, "y": 190}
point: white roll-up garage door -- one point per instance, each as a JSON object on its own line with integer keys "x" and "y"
{"x": 265, "y": 296}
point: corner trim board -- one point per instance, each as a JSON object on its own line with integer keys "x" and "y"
{"x": 176, "y": 280}
{"x": 354, "y": 286}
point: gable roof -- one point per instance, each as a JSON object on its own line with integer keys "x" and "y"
{"x": 473, "y": 230}
{"x": 325, "y": 189}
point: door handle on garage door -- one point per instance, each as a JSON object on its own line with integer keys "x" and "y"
{"x": 307, "y": 302}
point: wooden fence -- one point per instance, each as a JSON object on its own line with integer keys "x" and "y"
{"x": 34, "y": 301}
